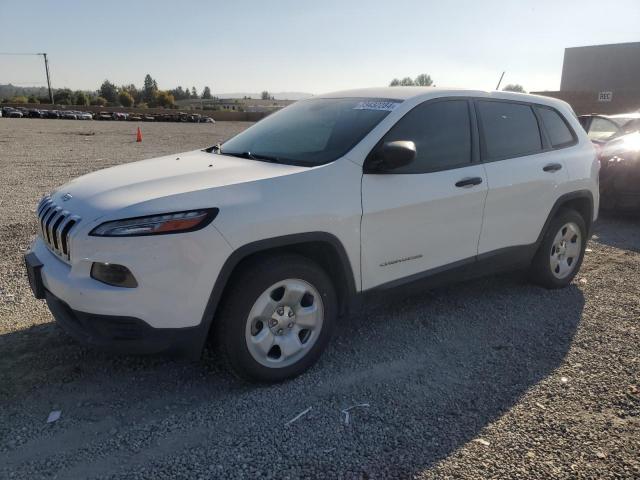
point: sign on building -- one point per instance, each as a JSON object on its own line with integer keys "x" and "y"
{"x": 605, "y": 96}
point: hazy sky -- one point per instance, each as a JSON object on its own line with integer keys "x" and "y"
{"x": 310, "y": 46}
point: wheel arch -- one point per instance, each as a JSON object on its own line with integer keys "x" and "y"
{"x": 321, "y": 247}
{"x": 580, "y": 201}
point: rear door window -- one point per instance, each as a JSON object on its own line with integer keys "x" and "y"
{"x": 510, "y": 129}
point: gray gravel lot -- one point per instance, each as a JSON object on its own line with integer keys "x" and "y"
{"x": 492, "y": 378}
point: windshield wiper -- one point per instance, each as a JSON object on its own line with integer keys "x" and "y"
{"x": 253, "y": 156}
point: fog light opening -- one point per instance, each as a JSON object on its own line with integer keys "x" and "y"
{"x": 113, "y": 274}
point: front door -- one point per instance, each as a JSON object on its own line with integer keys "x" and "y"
{"x": 427, "y": 214}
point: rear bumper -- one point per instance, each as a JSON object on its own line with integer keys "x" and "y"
{"x": 127, "y": 335}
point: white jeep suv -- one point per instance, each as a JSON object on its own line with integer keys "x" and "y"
{"x": 261, "y": 243}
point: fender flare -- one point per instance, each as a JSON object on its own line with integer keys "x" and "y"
{"x": 561, "y": 202}
{"x": 243, "y": 252}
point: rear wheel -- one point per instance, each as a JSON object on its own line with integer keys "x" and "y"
{"x": 276, "y": 319}
{"x": 561, "y": 252}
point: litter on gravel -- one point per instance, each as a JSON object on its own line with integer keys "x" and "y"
{"x": 54, "y": 416}
{"x": 482, "y": 441}
{"x": 298, "y": 417}
{"x": 347, "y": 415}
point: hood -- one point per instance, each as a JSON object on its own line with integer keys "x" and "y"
{"x": 140, "y": 183}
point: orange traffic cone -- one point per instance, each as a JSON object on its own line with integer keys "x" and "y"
{"x": 139, "y": 135}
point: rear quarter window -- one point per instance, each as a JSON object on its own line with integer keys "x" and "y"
{"x": 559, "y": 133}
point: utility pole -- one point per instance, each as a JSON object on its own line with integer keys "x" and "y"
{"x": 46, "y": 69}
{"x": 497, "y": 86}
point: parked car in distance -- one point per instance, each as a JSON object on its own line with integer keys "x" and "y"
{"x": 265, "y": 240}
{"x": 84, "y": 116}
{"x": 104, "y": 116}
{"x": 602, "y": 128}
{"x": 11, "y": 112}
{"x": 207, "y": 120}
{"x": 68, "y": 115}
{"x": 51, "y": 114}
{"x": 35, "y": 113}
{"x": 620, "y": 173}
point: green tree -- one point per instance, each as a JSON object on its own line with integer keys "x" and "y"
{"x": 64, "y": 96}
{"x": 33, "y": 99}
{"x": 407, "y": 82}
{"x": 423, "y": 80}
{"x": 18, "y": 99}
{"x": 395, "y": 83}
{"x": 80, "y": 98}
{"x": 265, "y": 95}
{"x": 126, "y": 99}
{"x": 149, "y": 90}
{"x": 165, "y": 99}
{"x": 109, "y": 91}
{"x": 206, "y": 93}
{"x": 132, "y": 90}
{"x": 514, "y": 87}
{"x": 194, "y": 92}
{"x": 100, "y": 101}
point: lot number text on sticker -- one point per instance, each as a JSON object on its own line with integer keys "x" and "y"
{"x": 376, "y": 105}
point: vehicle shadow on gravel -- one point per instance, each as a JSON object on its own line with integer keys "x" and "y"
{"x": 435, "y": 369}
{"x": 619, "y": 230}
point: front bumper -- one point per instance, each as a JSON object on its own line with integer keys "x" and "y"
{"x": 126, "y": 335}
{"x": 113, "y": 333}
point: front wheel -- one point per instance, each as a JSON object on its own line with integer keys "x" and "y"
{"x": 276, "y": 319}
{"x": 561, "y": 251}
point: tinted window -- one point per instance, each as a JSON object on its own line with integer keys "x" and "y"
{"x": 557, "y": 129}
{"x": 310, "y": 132}
{"x": 510, "y": 129}
{"x": 602, "y": 129}
{"x": 441, "y": 132}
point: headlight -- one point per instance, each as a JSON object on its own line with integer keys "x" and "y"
{"x": 177, "y": 222}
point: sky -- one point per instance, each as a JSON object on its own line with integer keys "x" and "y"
{"x": 303, "y": 46}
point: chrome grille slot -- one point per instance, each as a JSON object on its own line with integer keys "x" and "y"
{"x": 55, "y": 225}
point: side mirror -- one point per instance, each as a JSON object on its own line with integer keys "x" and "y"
{"x": 393, "y": 155}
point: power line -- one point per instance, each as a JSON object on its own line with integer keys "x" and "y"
{"x": 46, "y": 68}
{"x": 13, "y": 53}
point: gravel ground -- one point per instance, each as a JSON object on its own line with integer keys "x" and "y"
{"x": 492, "y": 378}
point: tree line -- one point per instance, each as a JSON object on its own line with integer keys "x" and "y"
{"x": 109, "y": 94}
{"x": 424, "y": 80}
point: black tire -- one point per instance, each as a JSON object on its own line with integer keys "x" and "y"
{"x": 540, "y": 271}
{"x": 244, "y": 289}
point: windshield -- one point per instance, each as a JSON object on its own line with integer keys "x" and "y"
{"x": 310, "y": 132}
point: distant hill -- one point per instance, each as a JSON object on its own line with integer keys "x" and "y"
{"x": 277, "y": 95}
{"x": 8, "y": 91}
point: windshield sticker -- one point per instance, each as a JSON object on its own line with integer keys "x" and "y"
{"x": 376, "y": 105}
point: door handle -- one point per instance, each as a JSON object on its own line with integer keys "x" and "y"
{"x": 469, "y": 182}
{"x": 552, "y": 167}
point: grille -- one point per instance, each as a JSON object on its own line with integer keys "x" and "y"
{"x": 55, "y": 224}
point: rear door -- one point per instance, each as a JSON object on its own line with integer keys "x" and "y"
{"x": 524, "y": 173}
{"x": 427, "y": 214}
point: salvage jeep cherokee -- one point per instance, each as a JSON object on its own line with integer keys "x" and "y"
{"x": 262, "y": 242}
